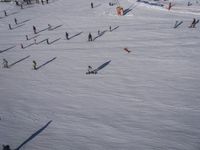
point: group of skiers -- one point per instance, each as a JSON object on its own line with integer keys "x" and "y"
{"x": 5, "y": 64}
{"x": 29, "y": 2}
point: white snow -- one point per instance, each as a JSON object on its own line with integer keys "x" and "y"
{"x": 148, "y": 99}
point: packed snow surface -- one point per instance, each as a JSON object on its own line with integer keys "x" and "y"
{"x": 148, "y": 99}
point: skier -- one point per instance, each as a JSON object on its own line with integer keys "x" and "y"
{"x": 34, "y": 65}
{"x": 47, "y": 1}
{"x": 193, "y": 23}
{"x": 42, "y": 2}
{"x": 90, "y": 37}
{"x": 34, "y": 30}
{"x": 10, "y": 27}
{"x": 5, "y": 13}
{"x": 48, "y": 41}
{"x": 92, "y": 6}
{"x": 99, "y": 32}
{"x": 15, "y": 21}
{"x": 49, "y": 26}
{"x": 17, "y": 3}
{"x": 6, "y": 147}
{"x": 110, "y": 28}
{"x": 26, "y": 37}
{"x": 5, "y": 63}
{"x": 67, "y": 35}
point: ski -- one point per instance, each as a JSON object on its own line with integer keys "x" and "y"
{"x": 177, "y": 24}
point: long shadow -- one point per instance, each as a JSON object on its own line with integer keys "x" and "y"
{"x": 75, "y": 35}
{"x": 18, "y": 61}
{"x": 30, "y": 38}
{"x": 23, "y": 47}
{"x": 46, "y": 63}
{"x": 49, "y": 43}
{"x": 33, "y": 135}
{"x": 42, "y": 30}
{"x": 98, "y": 5}
{"x": 7, "y": 49}
{"x": 114, "y": 28}
{"x": 13, "y": 13}
{"x": 102, "y": 33}
{"x": 55, "y": 27}
{"x": 24, "y": 21}
{"x": 126, "y": 11}
{"x": 17, "y": 26}
{"x": 41, "y": 41}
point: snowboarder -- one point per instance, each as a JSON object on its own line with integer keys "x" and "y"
{"x": 15, "y": 21}
{"x": 34, "y": 65}
{"x": 92, "y": 6}
{"x": 90, "y": 37}
{"x": 5, "y": 63}
{"x": 34, "y": 30}
{"x": 6, "y": 147}
{"x": 67, "y": 35}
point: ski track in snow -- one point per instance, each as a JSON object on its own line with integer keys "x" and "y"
{"x": 145, "y": 99}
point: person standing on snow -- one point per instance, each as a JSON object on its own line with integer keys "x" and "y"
{"x": 90, "y": 37}
{"x": 34, "y": 65}
{"x": 5, "y": 63}
{"x": 67, "y": 35}
{"x": 34, "y": 30}
{"x": 92, "y": 5}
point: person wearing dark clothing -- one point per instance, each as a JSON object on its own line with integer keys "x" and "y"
{"x": 193, "y": 23}
{"x": 34, "y": 65}
{"x": 5, "y": 13}
{"x": 47, "y": 1}
{"x": 10, "y": 27}
{"x": 110, "y": 28}
{"x": 92, "y": 5}
{"x": 67, "y": 35}
{"x": 6, "y": 147}
{"x": 15, "y": 21}
{"x": 34, "y": 30}
{"x": 42, "y": 2}
{"x": 89, "y": 69}
{"x": 5, "y": 63}
{"x": 90, "y": 37}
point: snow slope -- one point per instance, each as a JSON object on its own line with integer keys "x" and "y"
{"x": 146, "y": 99}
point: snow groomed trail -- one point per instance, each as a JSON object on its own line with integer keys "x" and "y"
{"x": 146, "y": 99}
